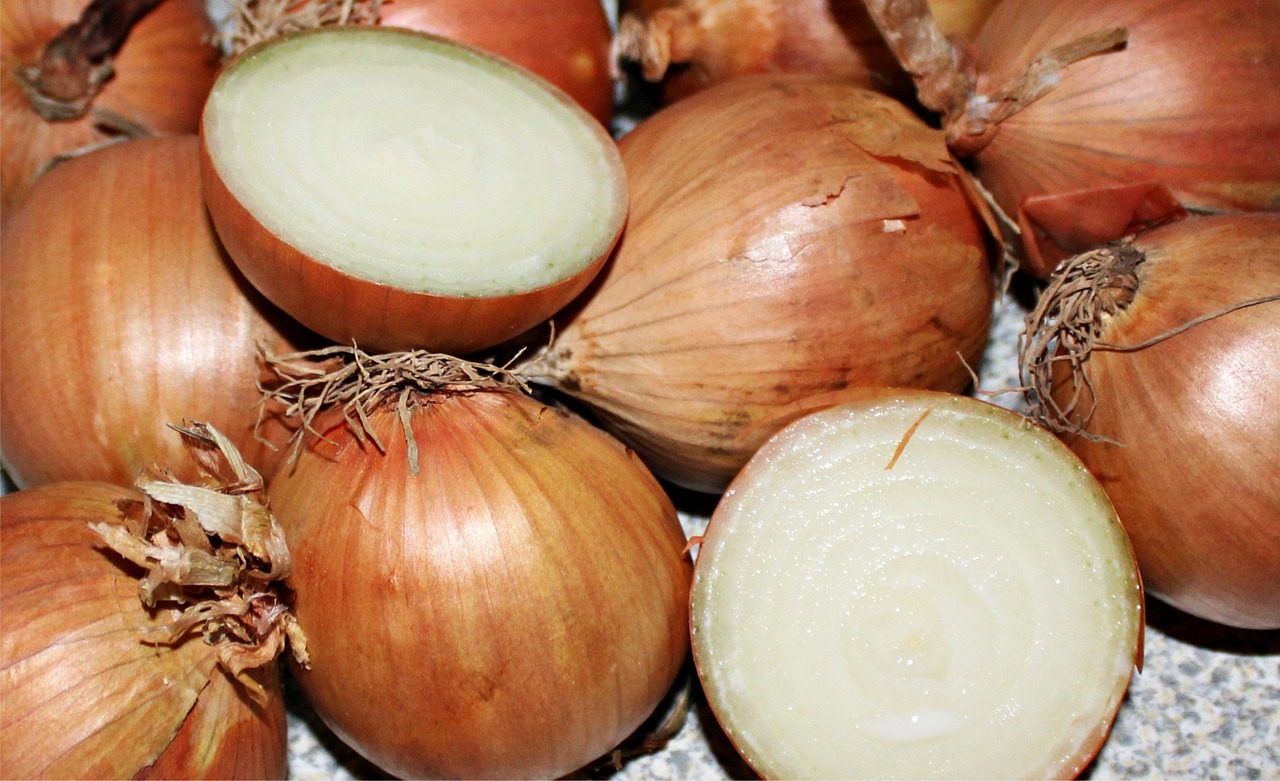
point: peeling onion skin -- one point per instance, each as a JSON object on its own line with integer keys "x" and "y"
{"x": 84, "y": 696}
{"x": 529, "y": 586}
{"x": 763, "y": 264}
{"x": 565, "y": 42}
{"x": 1189, "y": 103}
{"x": 1194, "y": 479}
{"x": 347, "y": 309}
{"x": 121, "y": 314}
{"x": 162, "y": 75}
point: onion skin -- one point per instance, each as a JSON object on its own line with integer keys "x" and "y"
{"x": 84, "y": 696}
{"x": 162, "y": 75}
{"x": 121, "y": 315}
{"x": 530, "y": 584}
{"x": 1187, "y": 104}
{"x": 565, "y": 42}
{"x": 762, "y": 265}
{"x": 1194, "y": 476}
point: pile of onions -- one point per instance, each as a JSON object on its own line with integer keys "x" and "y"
{"x": 74, "y": 74}
{"x": 915, "y": 585}
{"x": 565, "y": 42}
{"x": 120, "y": 314}
{"x": 790, "y": 235}
{"x": 688, "y": 45}
{"x": 402, "y": 191}
{"x": 1156, "y": 359}
{"x": 155, "y": 663}
{"x": 490, "y": 587}
{"x": 1091, "y": 120}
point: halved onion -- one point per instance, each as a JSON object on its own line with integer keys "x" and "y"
{"x": 401, "y": 191}
{"x": 915, "y": 584}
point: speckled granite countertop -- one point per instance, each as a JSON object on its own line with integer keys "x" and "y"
{"x": 1206, "y": 705}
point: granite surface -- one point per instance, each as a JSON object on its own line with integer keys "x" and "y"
{"x": 1205, "y": 706}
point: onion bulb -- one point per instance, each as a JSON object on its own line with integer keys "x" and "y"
{"x": 398, "y": 190}
{"x": 915, "y": 585}
{"x": 74, "y": 74}
{"x": 790, "y": 235}
{"x": 106, "y": 595}
{"x": 565, "y": 42}
{"x": 1156, "y": 359}
{"x": 527, "y": 574}
{"x": 1186, "y": 102}
{"x": 689, "y": 45}
{"x": 121, "y": 314}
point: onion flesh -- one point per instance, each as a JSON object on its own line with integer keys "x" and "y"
{"x": 915, "y": 585}
{"x": 402, "y": 191}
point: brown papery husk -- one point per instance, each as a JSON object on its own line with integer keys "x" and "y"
{"x": 94, "y": 686}
{"x": 1185, "y": 101}
{"x": 1156, "y": 361}
{"x": 157, "y": 85}
{"x": 790, "y": 235}
{"x": 565, "y": 42}
{"x": 527, "y": 572}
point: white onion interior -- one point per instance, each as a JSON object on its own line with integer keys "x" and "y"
{"x": 972, "y": 612}
{"x": 415, "y": 162}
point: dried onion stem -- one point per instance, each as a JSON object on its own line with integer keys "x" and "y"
{"x": 214, "y": 550}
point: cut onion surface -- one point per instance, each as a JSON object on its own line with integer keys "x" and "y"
{"x": 915, "y": 584}
{"x": 403, "y": 191}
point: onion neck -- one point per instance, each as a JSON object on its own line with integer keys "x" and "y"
{"x": 77, "y": 63}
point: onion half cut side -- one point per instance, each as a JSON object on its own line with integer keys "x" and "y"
{"x": 915, "y": 584}
{"x": 398, "y": 190}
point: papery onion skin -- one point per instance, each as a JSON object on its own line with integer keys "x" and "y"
{"x": 565, "y": 42}
{"x": 1189, "y": 103}
{"x": 162, "y": 75}
{"x": 514, "y": 610}
{"x": 84, "y": 695}
{"x": 121, "y": 314}
{"x": 790, "y": 235}
{"x": 1194, "y": 474}
{"x": 347, "y": 309}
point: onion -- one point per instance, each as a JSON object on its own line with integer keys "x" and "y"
{"x": 120, "y": 313}
{"x": 790, "y": 235}
{"x": 434, "y": 196}
{"x": 688, "y": 45}
{"x": 1188, "y": 103}
{"x": 100, "y": 683}
{"x": 74, "y": 74}
{"x": 1176, "y": 417}
{"x": 527, "y": 574}
{"x": 915, "y": 585}
{"x": 565, "y": 42}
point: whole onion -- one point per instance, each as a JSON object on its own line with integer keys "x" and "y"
{"x": 118, "y": 67}
{"x": 1156, "y": 360}
{"x": 565, "y": 42}
{"x": 490, "y": 587}
{"x": 121, "y": 314}
{"x": 402, "y": 191}
{"x": 1187, "y": 103}
{"x": 106, "y": 593}
{"x": 790, "y": 235}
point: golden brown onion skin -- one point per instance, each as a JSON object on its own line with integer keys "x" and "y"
{"x": 1189, "y": 102}
{"x": 84, "y": 696}
{"x": 121, "y": 314}
{"x": 162, "y": 75}
{"x": 1194, "y": 480}
{"x": 790, "y": 236}
{"x": 565, "y": 42}
{"x": 515, "y": 610}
